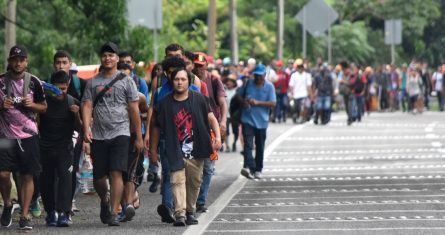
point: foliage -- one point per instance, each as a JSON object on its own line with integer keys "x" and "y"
{"x": 81, "y": 26}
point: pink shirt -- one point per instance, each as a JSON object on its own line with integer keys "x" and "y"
{"x": 19, "y": 122}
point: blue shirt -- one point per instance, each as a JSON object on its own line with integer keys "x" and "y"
{"x": 257, "y": 115}
{"x": 167, "y": 88}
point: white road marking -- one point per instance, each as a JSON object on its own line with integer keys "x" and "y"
{"x": 222, "y": 201}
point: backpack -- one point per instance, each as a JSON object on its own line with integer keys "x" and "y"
{"x": 359, "y": 86}
{"x": 76, "y": 82}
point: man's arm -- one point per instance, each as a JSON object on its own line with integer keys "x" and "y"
{"x": 39, "y": 107}
{"x": 133, "y": 109}
{"x": 213, "y": 122}
{"x": 87, "y": 113}
{"x": 154, "y": 86}
{"x": 155, "y": 132}
{"x": 223, "y": 111}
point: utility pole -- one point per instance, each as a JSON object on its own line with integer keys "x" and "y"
{"x": 280, "y": 29}
{"x": 10, "y": 28}
{"x": 233, "y": 32}
{"x": 211, "y": 22}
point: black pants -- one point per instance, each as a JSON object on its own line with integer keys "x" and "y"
{"x": 57, "y": 167}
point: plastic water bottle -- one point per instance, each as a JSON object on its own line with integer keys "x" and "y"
{"x": 86, "y": 176}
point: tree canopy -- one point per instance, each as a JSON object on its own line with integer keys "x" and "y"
{"x": 81, "y": 26}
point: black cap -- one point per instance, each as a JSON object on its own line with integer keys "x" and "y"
{"x": 18, "y": 50}
{"x": 109, "y": 47}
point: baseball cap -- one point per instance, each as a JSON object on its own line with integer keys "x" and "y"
{"x": 18, "y": 51}
{"x": 109, "y": 47}
{"x": 279, "y": 63}
{"x": 200, "y": 58}
{"x": 251, "y": 61}
{"x": 260, "y": 69}
{"x": 227, "y": 61}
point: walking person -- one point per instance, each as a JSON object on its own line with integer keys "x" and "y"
{"x": 300, "y": 89}
{"x": 259, "y": 97}
{"x": 218, "y": 106}
{"x": 111, "y": 98}
{"x": 56, "y": 127}
{"x": 21, "y": 98}
{"x": 281, "y": 88}
{"x": 438, "y": 84}
{"x": 324, "y": 89}
{"x": 185, "y": 119}
{"x": 414, "y": 89}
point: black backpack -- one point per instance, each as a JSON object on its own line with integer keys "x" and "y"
{"x": 359, "y": 86}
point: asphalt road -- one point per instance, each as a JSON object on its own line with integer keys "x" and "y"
{"x": 384, "y": 175}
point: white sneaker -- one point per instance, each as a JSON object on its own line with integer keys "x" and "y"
{"x": 258, "y": 175}
{"x": 246, "y": 173}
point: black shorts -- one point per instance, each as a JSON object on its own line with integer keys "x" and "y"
{"x": 109, "y": 155}
{"x": 23, "y": 155}
{"x": 135, "y": 169}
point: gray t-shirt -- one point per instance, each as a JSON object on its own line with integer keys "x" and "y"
{"x": 110, "y": 116}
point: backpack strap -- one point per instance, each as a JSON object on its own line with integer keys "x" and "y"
{"x": 76, "y": 80}
{"x": 26, "y": 82}
{"x": 70, "y": 100}
{"x": 101, "y": 94}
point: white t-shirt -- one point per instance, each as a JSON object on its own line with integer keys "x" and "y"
{"x": 271, "y": 75}
{"x": 438, "y": 78}
{"x": 299, "y": 82}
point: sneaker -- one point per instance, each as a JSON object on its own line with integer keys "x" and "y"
{"x": 150, "y": 176}
{"x": 129, "y": 212}
{"x": 51, "y": 219}
{"x": 25, "y": 224}
{"x": 258, "y": 175}
{"x": 190, "y": 218}
{"x": 179, "y": 222}
{"x": 6, "y": 219}
{"x": 201, "y": 209}
{"x": 63, "y": 221}
{"x": 166, "y": 214}
{"x": 70, "y": 218}
{"x": 34, "y": 209}
{"x": 246, "y": 173}
{"x": 113, "y": 220}
{"x": 74, "y": 207}
{"x": 105, "y": 213}
{"x": 155, "y": 184}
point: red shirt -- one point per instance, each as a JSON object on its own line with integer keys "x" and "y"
{"x": 282, "y": 83}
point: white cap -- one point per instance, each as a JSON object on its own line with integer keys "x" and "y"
{"x": 251, "y": 61}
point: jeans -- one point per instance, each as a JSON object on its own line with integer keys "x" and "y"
{"x": 208, "y": 172}
{"x": 324, "y": 107}
{"x": 166, "y": 189}
{"x": 249, "y": 133}
{"x": 281, "y": 107}
{"x": 357, "y": 107}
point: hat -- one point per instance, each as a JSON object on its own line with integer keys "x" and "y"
{"x": 109, "y": 47}
{"x": 291, "y": 61}
{"x": 17, "y": 50}
{"x": 260, "y": 69}
{"x": 251, "y": 61}
{"x": 200, "y": 58}
{"x": 227, "y": 61}
{"x": 218, "y": 62}
{"x": 298, "y": 62}
{"x": 279, "y": 63}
